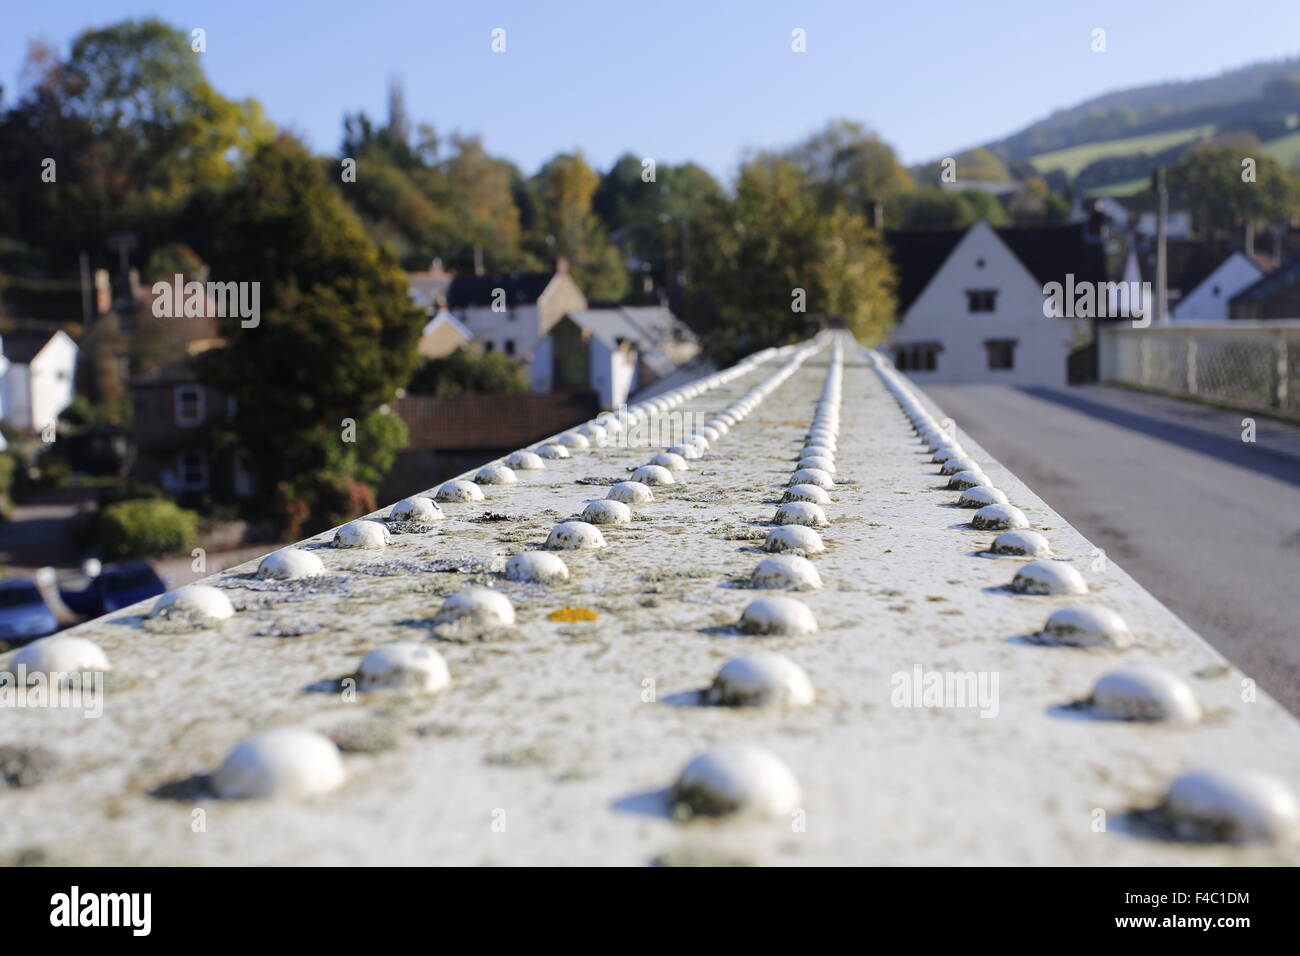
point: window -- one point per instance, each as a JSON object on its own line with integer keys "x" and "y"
{"x": 510, "y": 347}
{"x": 917, "y": 356}
{"x": 192, "y": 468}
{"x": 1002, "y": 354}
{"x": 489, "y": 346}
{"x": 981, "y": 300}
{"x": 190, "y": 406}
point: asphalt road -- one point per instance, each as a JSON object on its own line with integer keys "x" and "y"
{"x": 1208, "y": 523}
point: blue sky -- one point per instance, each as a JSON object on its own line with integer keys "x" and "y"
{"x": 687, "y": 80}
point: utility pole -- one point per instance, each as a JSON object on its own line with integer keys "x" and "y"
{"x": 1162, "y": 263}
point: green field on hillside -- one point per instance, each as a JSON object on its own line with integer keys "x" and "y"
{"x": 1074, "y": 159}
{"x": 1285, "y": 149}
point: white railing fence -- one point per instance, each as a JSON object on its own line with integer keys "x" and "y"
{"x": 1246, "y": 363}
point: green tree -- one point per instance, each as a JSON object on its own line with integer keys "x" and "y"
{"x": 844, "y": 164}
{"x": 469, "y": 371}
{"x": 1214, "y": 183}
{"x": 932, "y": 208}
{"x": 336, "y": 338}
{"x": 564, "y": 223}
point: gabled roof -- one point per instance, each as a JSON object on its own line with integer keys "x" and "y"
{"x": 23, "y": 346}
{"x": 1048, "y": 252}
{"x": 446, "y": 318}
{"x": 521, "y": 288}
{"x": 1288, "y": 274}
{"x": 648, "y": 328}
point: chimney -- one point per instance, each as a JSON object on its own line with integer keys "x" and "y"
{"x": 103, "y": 292}
{"x": 478, "y": 261}
{"x": 561, "y": 264}
{"x": 133, "y": 282}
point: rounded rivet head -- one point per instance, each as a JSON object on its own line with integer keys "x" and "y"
{"x": 812, "y": 493}
{"x": 673, "y": 462}
{"x": 1048, "y": 577}
{"x": 525, "y": 461}
{"x": 287, "y": 762}
{"x": 999, "y": 518}
{"x": 404, "y": 665}
{"x": 719, "y": 424}
{"x": 552, "y": 450}
{"x": 786, "y": 571}
{"x": 818, "y": 462}
{"x": 980, "y": 496}
{"x": 495, "y": 475}
{"x": 761, "y": 679}
{"x": 482, "y": 606}
{"x": 574, "y": 440}
{"x": 201, "y": 600}
{"x": 699, "y": 442}
{"x": 458, "y": 489}
{"x": 1087, "y": 625}
{"x": 288, "y": 564}
{"x": 687, "y": 452}
{"x": 575, "y": 536}
{"x": 944, "y": 451}
{"x": 416, "y": 508}
{"x": 630, "y": 493}
{"x": 653, "y": 475}
{"x": 801, "y": 512}
{"x": 737, "y": 780}
{"x": 794, "y": 537}
{"x": 812, "y": 476}
{"x": 361, "y": 533}
{"x": 541, "y": 567}
{"x": 60, "y": 653}
{"x": 1021, "y": 542}
{"x": 953, "y": 465}
{"x": 1145, "y": 693}
{"x": 610, "y": 421}
{"x": 711, "y": 432}
{"x": 606, "y": 511}
{"x": 594, "y": 433}
{"x": 777, "y": 615}
{"x": 962, "y": 480}
{"x": 1230, "y": 806}
{"x": 817, "y": 451}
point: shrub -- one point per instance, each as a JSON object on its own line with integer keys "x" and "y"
{"x": 146, "y": 527}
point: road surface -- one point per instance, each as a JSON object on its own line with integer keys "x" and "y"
{"x": 1207, "y": 522}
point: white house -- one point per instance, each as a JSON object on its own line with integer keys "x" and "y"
{"x": 971, "y": 304}
{"x": 511, "y": 313}
{"x": 37, "y": 381}
{"x": 1208, "y": 300}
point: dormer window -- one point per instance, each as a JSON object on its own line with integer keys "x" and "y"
{"x": 981, "y": 300}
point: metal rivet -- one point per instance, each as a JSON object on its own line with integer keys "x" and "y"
{"x": 630, "y": 493}
{"x": 574, "y": 440}
{"x": 553, "y": 451}
{"x": 1048, "y": 577}
{"x": 742, "y": 780}
{"x": 812, "y": 476}
{"x": 1230, "y": 806}
{"x": 818, "y": 462}
{"x": 404, "y": 665}
{"x": 981, "y": 496}
{"x": 1145, "y": 693}
{"x": 290, "y": 563}
{"x": 711, "y": 432}
{"x": 670, "y": 461}
{"x": 594, "y": 433}
{"x": 539, "y": 566}
{"x": 954, "y": 465}
{"x": 801, "y": 512}
{"x": 525, "y": 461}
{"x": 685, "y": 451}
{"x": 998, "y": 518}
{"x": 416, "y": 508}
{"x": 787, "y": 571}
{"x": 794, "y": 537}
{"x": 202, "y": 600}
{"x": 719, "y": 425}
{"x": 606, "y": 511}
{"x": 761, "y": 679}
{"x": 1021, "y": 542}
{"x": 653, "y": 475}
{"x": 60, "y": 653}
{"x": 944, "y": 452}
{"x": 361, "y": 533}
{"x": 809, "y": 492}
{"x": 817, "y": 451}
{"x": 1087, "y": 625}
{"x": 495, "y": 475}
{"x": 458, "y": 489}
{"x": 962, "y": 480}
{"x": 574, "y": 536}
{"x": 777, "y": 615}
{"x": 482, "y": 606}
{"x": 284, "y": 762}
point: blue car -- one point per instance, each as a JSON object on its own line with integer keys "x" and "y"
{"x": 116, "y": 586}
{"x": 24, "y": 615}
